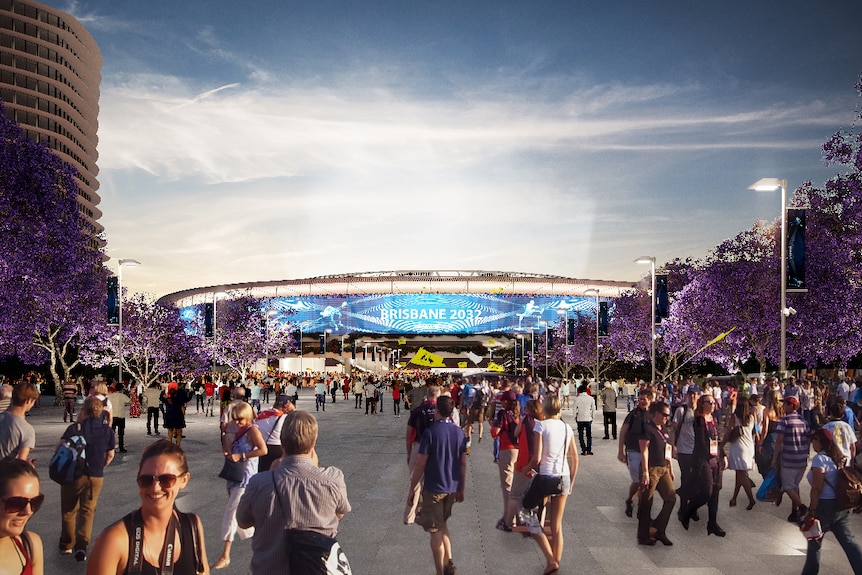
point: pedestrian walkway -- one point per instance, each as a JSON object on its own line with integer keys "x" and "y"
{"x": 599, "y": 538}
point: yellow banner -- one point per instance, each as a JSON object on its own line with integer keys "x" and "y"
{"x": 494, "y": 367}
{"x": 719, "y": 337}
{"x": 462, "y": 365}
{"x": 402, "y": 341}
{"x": 425, "y": 358}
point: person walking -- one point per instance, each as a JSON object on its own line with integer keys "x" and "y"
{"x": 152, "y": 400}
{"x": 585, "y": 412}
{"x": 656, "y": 475}
{"x": 78, "y": 500}
{"x": 270, "y": 423}
{"x": 503, "y": 428}
{"x": 441, "y": 464}
{"x": 17, "y": 436}
{"x": 295, "y": 534}
{"x": 70, "y": 395}
{"x": 823, "y": 477}
{"x": 683, "y": 440}
{"x": 629, "y": 452}
{"x": 119, "y": 400}
{"x": 422, "y": 416}
{"x": 246, "y": 445}
{"x": 707, "y": 462}
{"x": 791, "y": 452}
{"x": 740, "y": 458}
{"x": 609, "y": 409}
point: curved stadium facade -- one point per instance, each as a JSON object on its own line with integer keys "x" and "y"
{"x": 412, "y": 302}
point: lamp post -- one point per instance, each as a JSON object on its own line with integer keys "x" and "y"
{"x": 532, "y": 351}
{"x": 543, "y": 322}
{"x": 120, "y": 265}
{"x": 595, "y": 292}
{"x": 300, "y": 349}
{"x": 651, "y": 261}
{"x": 269, "y": 314}
{"x": 521, "y": 343}
{"x": 565, "y": 312}
{"x": 770, "y": 185}
{"x": 326, "y": 333}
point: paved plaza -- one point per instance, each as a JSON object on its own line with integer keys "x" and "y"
{"x": 599, "y": 538}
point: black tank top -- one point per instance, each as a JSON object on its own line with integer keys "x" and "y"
{"x": 185, "y": 563}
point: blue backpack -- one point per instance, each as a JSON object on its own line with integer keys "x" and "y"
{"x": 70, "y": 459}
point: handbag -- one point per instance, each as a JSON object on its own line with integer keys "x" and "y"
{"x": 770, "y": 489}
{"x": 848, "y": 488}
{"x": 544, "y": 486}
{"x": 233, "y": 470}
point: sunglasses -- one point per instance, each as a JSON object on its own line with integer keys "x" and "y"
{"x": 19, "y": 504}
{"x": 166, "y": 480}
{"x": 665, "y": 414}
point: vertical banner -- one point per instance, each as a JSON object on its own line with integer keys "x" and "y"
{"x": 364, "y": 352}
{"x": 353, "y": 351}
{"x": 113, "y": 301}
{"x": 208, "y": 319}
{"x": 570, "y": 331}
{"x": 661, "y": 303}
{"x": 517, "y": 352}
{"x": 796, "y": 251}
{"x": 550, "y": 341}
{"x": 322, "y": 344}
{"x": 603, "y": 319}
{"x": 374, "y": 353}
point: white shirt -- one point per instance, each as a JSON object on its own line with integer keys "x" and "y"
{"x": 556, "y": 435}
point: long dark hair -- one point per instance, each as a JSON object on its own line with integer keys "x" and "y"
{"x": 829, "y": 446}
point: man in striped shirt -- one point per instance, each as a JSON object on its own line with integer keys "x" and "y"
{"x": 791, "y": 452}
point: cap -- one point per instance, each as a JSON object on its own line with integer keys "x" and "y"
{"x": 792, "y": 399}
{"x": 508, "y": 396}
{"x": 824, "y": 432}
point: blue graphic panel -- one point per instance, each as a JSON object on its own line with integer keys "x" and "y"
{"x": 422, "y": 313}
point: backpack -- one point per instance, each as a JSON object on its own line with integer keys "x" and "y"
{"x": 70, "y": 459}
{"x": 848, "y": 488}
{"x": 478, "y": 399}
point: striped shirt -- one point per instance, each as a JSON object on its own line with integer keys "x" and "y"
{"x": 794, "y": 449}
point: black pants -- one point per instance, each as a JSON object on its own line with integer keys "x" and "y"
{"x": 119, "y": 423}
{"x": 610, "y": 417}
{"x": 153, "y": 416}
{"x": 585, "y": 436}
{"x": 358, "y": 403}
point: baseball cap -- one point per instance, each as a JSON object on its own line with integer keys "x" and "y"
{"x": 792, "y": 399}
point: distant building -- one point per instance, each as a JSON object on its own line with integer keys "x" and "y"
{"x": 50, "y": 71}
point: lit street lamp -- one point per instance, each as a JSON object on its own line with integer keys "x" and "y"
{"x": 544, "y": 323}
{"x": 120, "y": 265}
{"x": 651, "y": 261}
{"x": 770, "y": 185}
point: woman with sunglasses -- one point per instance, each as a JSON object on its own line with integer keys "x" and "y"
{"x": 21, "y": 550}
{"x": 247, "y": 446}
{"x": 162, "y": 474}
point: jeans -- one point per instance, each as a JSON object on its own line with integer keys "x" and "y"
{"x": 838, "y": 522}
{"x": 610, "y": 418}
{"x": 153, "y": 416}
{"x": 585, "y": 428}
{"x": 69, "y": 408}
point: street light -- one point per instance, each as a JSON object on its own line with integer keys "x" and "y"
{"x": 594, "y": 291}
{"x": 300, "y": 349}
{"x": 651, "y": 261}
{"x": 269, "y": 314}
{"x": 326, "y": 333}
{"x": 521, "y": 344}
{"x": 120, "y": 265}
{"x": 770, "y": 185}
{"x": 561, "y": 312}
{"x": 543, "y": 322}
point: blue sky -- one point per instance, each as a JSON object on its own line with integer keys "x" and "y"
{"x": 263, "y": 140}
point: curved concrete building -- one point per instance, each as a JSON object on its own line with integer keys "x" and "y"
{"x": 50, "y": 71}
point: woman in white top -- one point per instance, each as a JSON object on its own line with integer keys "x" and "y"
{"x": 554, "y": 454}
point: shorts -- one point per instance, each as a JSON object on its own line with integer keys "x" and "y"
{"x": 475, "y": 416}
{"x": 791, "y": 477}
{"x": 520, "y": 483}
{"x": 634, "y": 459}
{"x": 436, "y": 509}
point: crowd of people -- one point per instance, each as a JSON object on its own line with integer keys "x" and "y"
{"x": 707, "y": 427}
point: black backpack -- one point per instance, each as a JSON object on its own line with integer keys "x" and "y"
{"x": 70, "y": 459}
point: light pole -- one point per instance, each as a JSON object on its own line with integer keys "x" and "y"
{"x": 565, "y": 312}
{"x": 651, "y": 261}
{"x": 532, "y": 351}
{"x": 521, "y": 343}
{"x": 594, "y": 291}
{"x": 120, "y": 265}
{"x": 269, "y": 314}
{"x": 543, "y": 322}
{"x": 770, "y": 185}
{"x": 300, "y": 349}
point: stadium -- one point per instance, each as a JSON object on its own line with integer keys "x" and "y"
{"x": 379, "y": 320}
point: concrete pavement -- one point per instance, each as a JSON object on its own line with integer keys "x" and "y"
{"x": 599, "y": 538}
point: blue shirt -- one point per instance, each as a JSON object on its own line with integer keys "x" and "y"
{"x": 444, "y": 443}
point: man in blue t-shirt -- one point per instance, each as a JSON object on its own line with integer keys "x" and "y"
{"x": 442, "y": 464}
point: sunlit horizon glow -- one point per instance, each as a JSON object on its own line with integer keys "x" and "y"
{"x": 284, "y": 142}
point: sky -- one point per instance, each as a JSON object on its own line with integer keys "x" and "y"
{"x": 273, "y": 139}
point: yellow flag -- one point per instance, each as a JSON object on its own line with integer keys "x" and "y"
{"x": 495, "y": 367}
{"x": 718, "y": 338}
{"x": 402, "y": 341}
{"x": 462, "y": 365}
{"x": 425, "y": 358}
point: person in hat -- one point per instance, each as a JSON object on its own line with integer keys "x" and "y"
{"x": 791, "y": 453}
